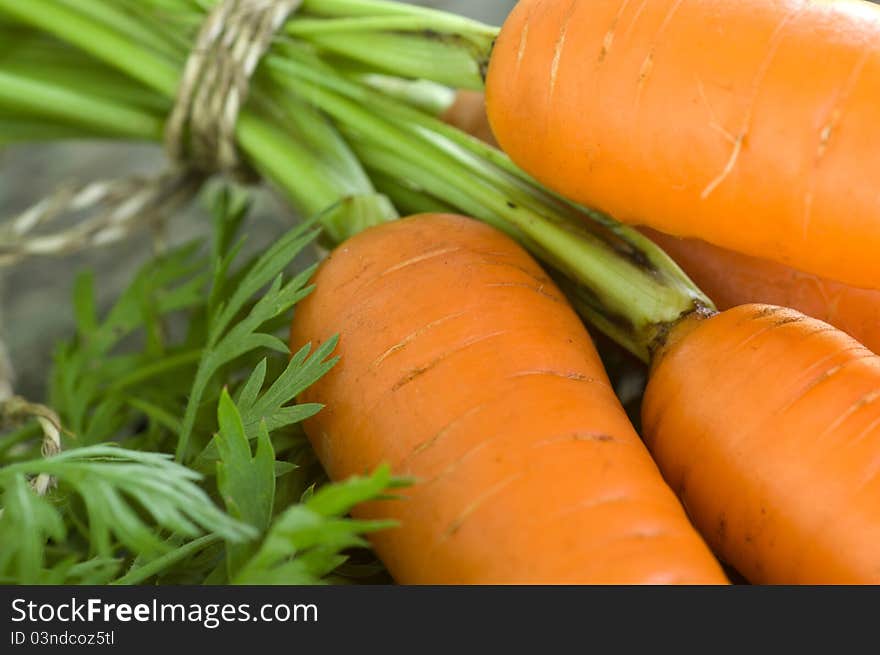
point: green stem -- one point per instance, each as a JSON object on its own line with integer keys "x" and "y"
{"x": 305, "y": 27}
{"x": 447, "y": 60}
{"x": 287, "y": 164}
{"x": 408, "y": 198}
{"x": 397, "y": 38}
{"x": 66, "y": 105}
{"x": 88, "y": 34}
{"x": 154, "y": 567}
{"x": 16, "y": 130}
{"x": 123, "y": 18}
{"x": 426, "y": 96}
{"x": 364, "y": 8}
{"x": 152, "y": 370}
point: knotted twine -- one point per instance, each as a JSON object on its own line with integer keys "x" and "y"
{"x": 199, "y": 141}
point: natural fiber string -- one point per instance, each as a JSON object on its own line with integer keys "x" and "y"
{"x": 119, "y": 208}
{"x": 199, "y": 141}
{"x": 200, "y": 132}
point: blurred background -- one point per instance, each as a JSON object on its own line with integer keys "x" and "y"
{"x": 35, "y": 308}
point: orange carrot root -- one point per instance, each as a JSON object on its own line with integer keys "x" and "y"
{"x": 697, "y": 118}
{"x": 767, "y": 425}
{"x": 468, "y": 113}
{"x": 463, "y": 366}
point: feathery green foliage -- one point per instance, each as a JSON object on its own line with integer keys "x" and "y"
{"x": 306, "y": 541}
{"x": 187, "y": 360}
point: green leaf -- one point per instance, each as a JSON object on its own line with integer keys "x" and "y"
{"x": 129, "y": 497}
{"x": 84, "y": 304}
{"x": 85, "y": 367}
{"x": 266, "y": 269}
{"x": 26, "y": 523}
{"x": 228, "y": 341}
{"x": 248, "y": 393}
{"x": 306, "y": 541}
{"x": 126, "y": 376}
{"x": 143, "y": 571}
{"x": 229, "y": 209}
{"x": 246, "y": 482}
{"x": 302, "y": 371}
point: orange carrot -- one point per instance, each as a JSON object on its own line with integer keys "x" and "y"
{"x": 468, "y": 113}
{"x": 463, "y": 366}
{"x": 730, "y": 279}
{"x": 767, "y": 425}
{"x": 750, "y": 125}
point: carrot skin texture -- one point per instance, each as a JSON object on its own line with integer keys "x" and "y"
{"x": 731, "y": 279}
{"x": 463, "y": 366}
{"x": 767, "y": 425}
{"x": 696, "y": 118}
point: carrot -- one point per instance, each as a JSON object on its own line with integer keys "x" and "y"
{"x": 468, "y": 113}
{"x": 730, "y": 279}
{"x": 767, "y": 425}
{"x": 463, "y": 366}
{"x": 750, "y": 125}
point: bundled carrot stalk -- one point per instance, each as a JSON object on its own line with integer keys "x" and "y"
{"x": 376, "y": 146}
{"x": 730, "y": 278}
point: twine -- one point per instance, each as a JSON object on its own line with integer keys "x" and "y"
{"x": 119, "y": 207}
{"x": 199, "y": 141}
{"x": 200, "y": 132}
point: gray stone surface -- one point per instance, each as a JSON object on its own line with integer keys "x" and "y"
{"x": 35, "y": 306}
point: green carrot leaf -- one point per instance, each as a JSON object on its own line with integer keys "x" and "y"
{"x": 26, "y": 524}
{"x": 306, "y": 543}
{"x": 246, "y": 481}
{"x": 129, "y": 497}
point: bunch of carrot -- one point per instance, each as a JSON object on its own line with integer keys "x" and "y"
{"x": 464, "y": 364}
{"x": 765, "y": 422}
{"x": 485, "y": 388}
